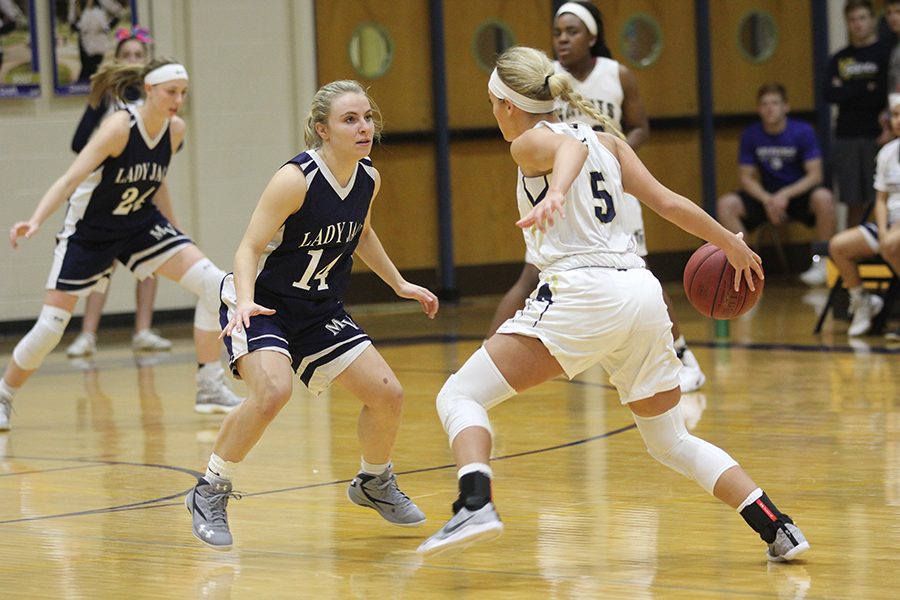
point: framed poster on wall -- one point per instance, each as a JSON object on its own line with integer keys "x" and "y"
{"x": 83, "y": 38}
{"x": 19, "y": 70}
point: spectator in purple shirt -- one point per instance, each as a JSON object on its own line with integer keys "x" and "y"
{"x": 781, "y": 177}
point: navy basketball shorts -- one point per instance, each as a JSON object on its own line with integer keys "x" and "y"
{"x": 83, "y": 259}
{"x": 318, "y": 336}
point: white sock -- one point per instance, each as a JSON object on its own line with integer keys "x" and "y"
{"x": 210, "y": 371}
{"x": 753, "y": 497}
{"x": 680, "y": 343}
{"x": 6, "y": 390}
{"x": 856, "y": 292}
{"x": 219, "y": 468}
{"x": 473, "y": 467}
{"x": 372, "y": 468}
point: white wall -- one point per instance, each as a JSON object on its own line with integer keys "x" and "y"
{"x": 252, "y": 69}
{"x": 837, "y": 26}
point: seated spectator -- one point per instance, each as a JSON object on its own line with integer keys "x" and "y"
{"x": 781, "y": 177}
{"x": 869, "y": 239}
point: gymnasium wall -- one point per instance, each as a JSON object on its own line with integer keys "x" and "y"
{"x": 252, "y": 75}
{"x": 255, "y": 65}
{"x": 482, "y": 174}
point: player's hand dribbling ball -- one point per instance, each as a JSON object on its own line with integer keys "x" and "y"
{"x": 709, "y": 285}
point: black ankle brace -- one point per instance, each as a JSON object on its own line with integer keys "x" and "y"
{"x": 764, "y": 518}
{"x": 474, "y": 491}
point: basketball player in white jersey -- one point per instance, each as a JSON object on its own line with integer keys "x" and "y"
{"x": 611, "y": 89}
{"x": 596, "y": 303}
{"x": 111, "y": 216}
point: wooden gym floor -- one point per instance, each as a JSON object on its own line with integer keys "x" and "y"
{"x": 93, "y": 474}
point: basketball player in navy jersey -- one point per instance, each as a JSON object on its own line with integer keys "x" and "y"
{"x": 131, "y": 48}
{"x": 606, "y": 84}
{"x": 596, "y": 304}
{"x": 111, "y": 216}
{"x": 282, "y": 311}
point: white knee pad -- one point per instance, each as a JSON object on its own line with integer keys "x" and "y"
{"x": 669, "y": 442}
{"x": 203, "y": 279}
{"x": 468, "y": 394}
{"x": 43, "y": 337}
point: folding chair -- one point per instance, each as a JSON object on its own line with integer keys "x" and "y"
{"x": 872, "y": 270}
{"x": 769, "y": 230}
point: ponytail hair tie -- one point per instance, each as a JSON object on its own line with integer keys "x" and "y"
{"x": 547, "y": 80}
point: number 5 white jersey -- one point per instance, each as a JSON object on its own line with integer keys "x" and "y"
{"x": 591, "y": 232}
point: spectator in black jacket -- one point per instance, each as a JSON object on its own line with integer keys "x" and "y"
{"x": 857, "y": 83}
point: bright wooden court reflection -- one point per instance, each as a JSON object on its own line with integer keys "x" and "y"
{"x": 93, "y": 474}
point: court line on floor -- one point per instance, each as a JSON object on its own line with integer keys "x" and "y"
{"x": 187, "y": 355}
{"x": 426, "y": 339}
{"x": 164, "y": 500}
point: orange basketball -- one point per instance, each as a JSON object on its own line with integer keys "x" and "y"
{"x": 709, "y": 285}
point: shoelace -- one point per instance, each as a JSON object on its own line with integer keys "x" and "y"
{"x": 7, "y": 405}
{"x": 392, "y": 483}
{"x": 218, "y": 502}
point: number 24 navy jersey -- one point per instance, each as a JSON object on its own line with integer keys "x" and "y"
{"x": 116, "y": 200}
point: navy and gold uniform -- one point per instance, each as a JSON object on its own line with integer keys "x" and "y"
{"x": 111, "y": 216}
{"x": 303, "y": 272}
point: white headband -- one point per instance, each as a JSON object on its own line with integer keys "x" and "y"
{"x": 166, "y": 73}
{"x": 893, "y": 100}
{"x": 582, "y": 13}
{"x": 504, "y": 92}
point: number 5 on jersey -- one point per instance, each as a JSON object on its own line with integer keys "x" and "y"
{"x": 604, "y": 208}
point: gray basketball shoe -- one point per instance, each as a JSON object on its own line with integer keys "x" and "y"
{"x": 213, "y": 394}
{"x": 5, "y": 412}
{"x": 381, "y": 493}
{"x": 464, "y": 529}
{"x": 207, "y": 503}
{"x": 789, "y": 544}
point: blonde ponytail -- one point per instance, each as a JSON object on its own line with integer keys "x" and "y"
{"x": 529, "y": 72}
{"x": 113, "y": 79}
{"x": 566, "y": 92}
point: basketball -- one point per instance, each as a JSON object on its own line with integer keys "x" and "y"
{"x": 709, "y": 285}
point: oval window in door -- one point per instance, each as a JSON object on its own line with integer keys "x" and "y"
{"x": 491, "y": 39}
{"x": 757, "y": 36}
{"x": 371, "y": 50}
{"x": 642, "y": 41}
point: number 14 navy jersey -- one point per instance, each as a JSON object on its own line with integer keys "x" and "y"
{"x": 311, "y": 255}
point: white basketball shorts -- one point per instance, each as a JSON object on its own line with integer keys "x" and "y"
{"x": 613, "y": 317}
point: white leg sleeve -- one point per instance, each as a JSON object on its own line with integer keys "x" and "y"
{"x": 669, "y": 442}
{"x": 43, "y": 337}
{"x": 468, "y": 394}
{"x": 203, "y": 279}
